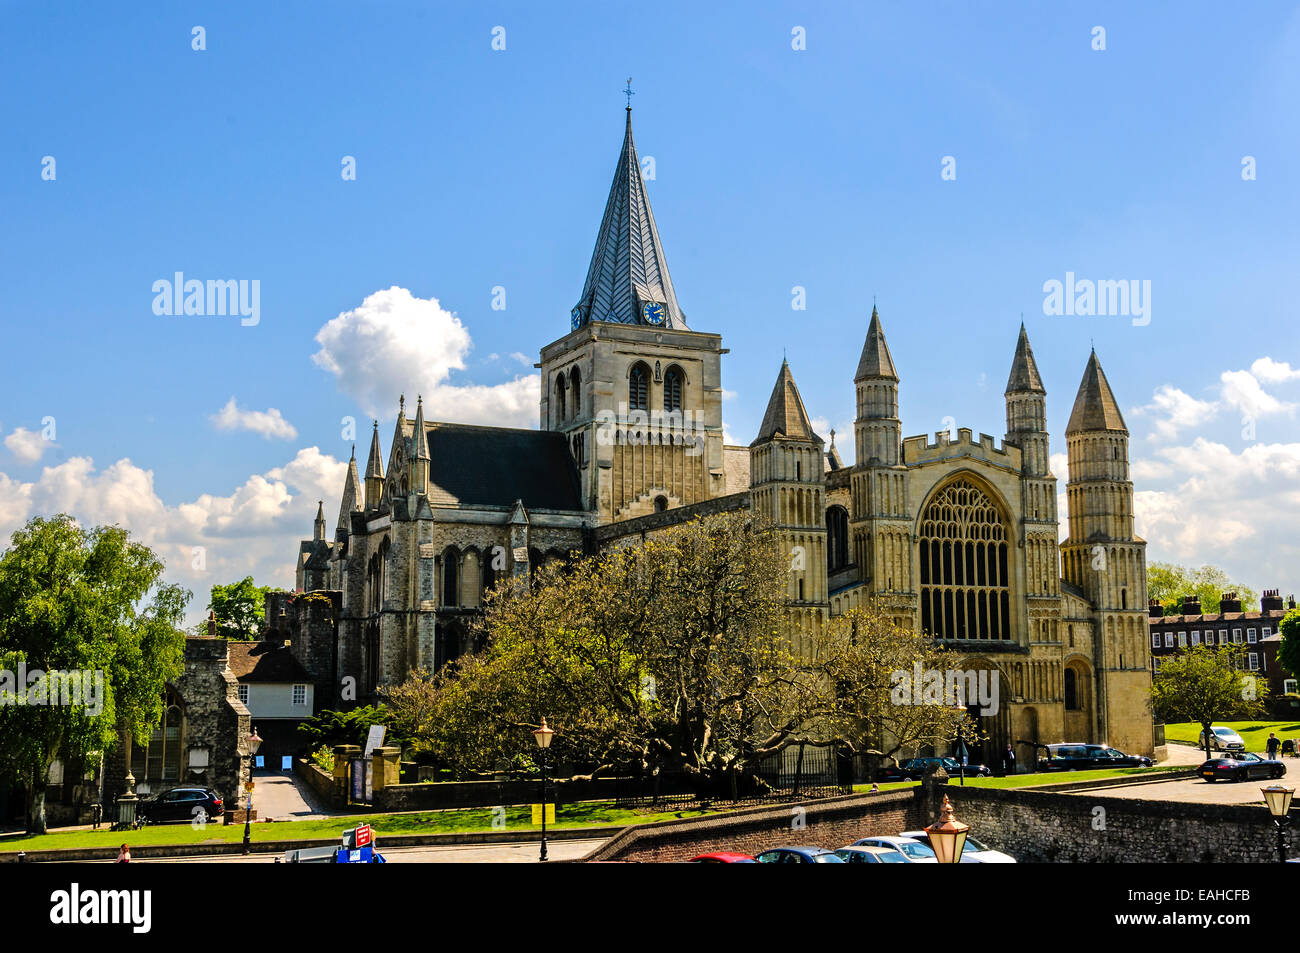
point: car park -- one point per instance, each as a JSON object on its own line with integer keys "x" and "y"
{"x": 972, "y": 851}
{"x": 1240, "y": 766}
{"x": 799, "y": 855}
{"x": 1084, "y": 757}
{"x": 870, "y": 855}
{"x": 1222, "y": 739}
{"x": 181, "y": 804}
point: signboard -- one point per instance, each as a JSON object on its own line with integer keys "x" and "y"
{"x": 550, "y": 814}
{"x": 358, "y": 779}
{"x": 286, "y": 763}
{"x": 363, "y": 836}
{"x": 520, "y": 554}
{"x": 375, "y": 739}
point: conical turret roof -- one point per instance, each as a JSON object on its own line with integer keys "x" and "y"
{"x": 1095, "y": 407}
{"x": 785, "y": 416}
{"x": 876, "y": 360}
{"x": 1024, "y": 377}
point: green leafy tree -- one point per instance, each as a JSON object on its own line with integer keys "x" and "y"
{"x": 1204, "y": 685}
{"x": 90, "y": 602}
{"x": 1288, "y": 653}
{"x": 240, "y": 608}
{"x": 330, "y": 728}
{"x": 1167, "y": 584}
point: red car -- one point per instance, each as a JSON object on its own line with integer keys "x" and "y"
{"x": 722, "y": 857}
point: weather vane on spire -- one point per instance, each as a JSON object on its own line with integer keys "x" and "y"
{"x": 628, "y": 92}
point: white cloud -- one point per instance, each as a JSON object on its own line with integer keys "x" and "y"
{"x": 398, "y": 343}
{"x": 522, "y": 358}
{"x": 728, "y": 394}
{"x": 254, "y": 529}
{"x": 1275, "y": 372}
{"x": 1172, "y": 410}
{"x": 269, "y": 423}
{"x": 27, "y": 445}
{"x": 1242, "y": 390}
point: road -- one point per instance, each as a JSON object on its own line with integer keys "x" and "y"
{"x": 518, "y": 853}
{"x": 1195, "y": 790}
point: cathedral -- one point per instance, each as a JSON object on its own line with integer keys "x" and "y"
{"x": 957, "y": 535}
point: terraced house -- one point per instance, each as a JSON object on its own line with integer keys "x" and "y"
{"x": 957, "y": 534}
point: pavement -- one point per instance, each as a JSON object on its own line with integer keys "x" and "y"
{"x": 1195, "y": 790}
{"x": 279, "y": 795}
{"x": 527, "y": 852}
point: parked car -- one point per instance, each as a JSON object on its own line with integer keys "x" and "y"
{"x": 1081, "y": 757}
{"x": 1240, "y": 766}
{"x": 915, "y": 850}
{"x": 871, "y": 855}
{"x": 798, "y": 855}
{"x": 722, "y": 857}
{"x": 1221, "y": 739}
{"x": 913, "y": 769}
{"x": 972, "y": 849}
{"x": 180, "y": 804}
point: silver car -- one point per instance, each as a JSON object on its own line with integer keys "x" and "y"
{"x": 1222, "y": 739}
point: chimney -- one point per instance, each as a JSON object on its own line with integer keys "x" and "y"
{"x": 1154, "y": 609}
{"x": 212, "y": 625}
{"x": 1229, "y": 603}
{"x": 1270, "y": 601}
{"x": 1192, "y": 605}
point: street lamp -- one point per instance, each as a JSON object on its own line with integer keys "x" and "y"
{"x": 947, "y": 836}
{"x": 543, "y": 736}
{"x": 1278, "y": 799}
{"x": 253, "y": 742}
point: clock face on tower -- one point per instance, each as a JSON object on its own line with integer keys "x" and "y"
{"x": 576, "y": 318}
{"x": 653, "y": 312}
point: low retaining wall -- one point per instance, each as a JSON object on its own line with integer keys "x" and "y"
{"x": 316, "y": 779}
{"x": 439, "y": 795}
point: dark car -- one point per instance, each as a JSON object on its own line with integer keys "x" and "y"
{"x": 181, "y": 804}
{"x": 913, "y": 769}
{"x": 1081, "y": 757}
{"x": 1240, "y": 766}
{"x": 799, "y": 855}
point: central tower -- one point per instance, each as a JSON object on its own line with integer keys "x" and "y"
{"x": 637, "y": 393}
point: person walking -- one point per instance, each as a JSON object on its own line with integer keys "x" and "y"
{"x": 1273, "y": 744}
{"x": 1009, "y": 760}
{"x": 124, "y": 855}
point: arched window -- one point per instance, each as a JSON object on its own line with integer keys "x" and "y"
{"x": 160, "y": 758}
{"x": 559, "y": 398}
{"x": 450, "y": 577}
{"x": 661, "y": 503}
{"x": 638, "y": 388}
{"x": 575, "y": 392}
{"x": 965, "y": 583}
{"x": 673, "y": 390}
{"x": 837, "y": 538}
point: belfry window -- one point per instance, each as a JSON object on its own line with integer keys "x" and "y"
{"x": 638, "y": 388}
{"x": 575, "y": 392}
{"x": 559, "y": 398}
{"x": 965, "y": 583}
{"x": 673, "y": 390}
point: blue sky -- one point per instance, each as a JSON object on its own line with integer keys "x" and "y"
{"x": 774, "y": 168}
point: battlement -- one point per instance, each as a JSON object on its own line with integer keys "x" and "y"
{"x": 919, "y": 449}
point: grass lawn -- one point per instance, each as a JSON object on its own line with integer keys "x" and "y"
{"x": 1032, "y": 780}
{"x": 587, "y": 814}
{"x": 1254, "y": 733}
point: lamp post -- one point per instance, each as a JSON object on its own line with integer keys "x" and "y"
{"x": 947, "y": 836}
{"x": 253, "y": 742}
{"x": 543, "y": 736}
{"x": 1278, "y": 799}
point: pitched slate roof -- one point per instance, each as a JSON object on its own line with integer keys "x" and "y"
{"x": 875, "y": 360}
{"x": 498, "y": 466}
{"x": 785, "y": 414}
{"x": 628, "y": 264}
{"x": 1095, "y": 407}
{"x": 1024, "y": 372}
{"x": 270, "y": 661}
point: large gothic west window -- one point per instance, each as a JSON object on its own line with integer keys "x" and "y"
{"x": 965, "y": 588}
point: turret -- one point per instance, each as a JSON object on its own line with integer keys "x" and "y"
{"x": 420, "y": 465}
{"x": 879, "y": 432}
{"x": 374, "y": 473}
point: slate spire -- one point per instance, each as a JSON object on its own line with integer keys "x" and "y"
{"x": 628, "y": 269}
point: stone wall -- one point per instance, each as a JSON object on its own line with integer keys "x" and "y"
{"x": 321, "y": 783}
{"x": 439, "y": 795}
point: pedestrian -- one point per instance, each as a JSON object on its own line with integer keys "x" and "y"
{"x": 124, "y": 855}
{"x": 1272, "y": 746}
{"x": 97, "y": 814}
{"x": 1009, "y": 760}
{"x": 875, "y": 789}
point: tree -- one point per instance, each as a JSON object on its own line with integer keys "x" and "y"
{"x": 89, "y": 610}
{"x": 674, "y": 654}
{"x": 1167, "y": 584}
{"x": 1203, "y": 685}
{"x": 1288, "y": 653}
{"x": 330, "y": 728}
{"x": 240, "y": 608}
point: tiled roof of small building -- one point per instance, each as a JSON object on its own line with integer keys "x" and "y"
{"x": 270, "y": 661}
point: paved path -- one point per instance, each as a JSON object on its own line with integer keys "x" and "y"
{"x": 1196, "y": 790}
{"x": 280, "y": 795}
{"x": 520, "y": 853}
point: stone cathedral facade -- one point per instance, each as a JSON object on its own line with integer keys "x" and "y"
{"x": 957, "y": 535}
